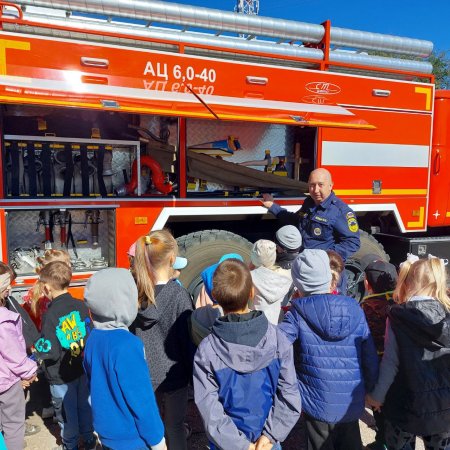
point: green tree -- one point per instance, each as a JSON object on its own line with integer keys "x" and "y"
{"x": 439, "y": 60}
{"x": 441, "y": 69}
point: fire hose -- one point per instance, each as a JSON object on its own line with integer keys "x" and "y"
{"x": 157, "y": 174}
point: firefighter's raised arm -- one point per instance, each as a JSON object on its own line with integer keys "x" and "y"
{"x": 267, "y": 200}
{"x": 284, "y": 217}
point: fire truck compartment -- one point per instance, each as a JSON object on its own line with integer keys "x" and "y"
{"x": 88, "y": 234}
{"x": 58, "y": 152}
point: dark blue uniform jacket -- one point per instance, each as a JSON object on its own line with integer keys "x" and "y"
{"x": 331, "y": 225}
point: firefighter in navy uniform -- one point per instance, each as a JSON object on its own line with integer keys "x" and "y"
{"x": 324, "y": 220}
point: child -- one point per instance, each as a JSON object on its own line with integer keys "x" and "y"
{"x": 162, "y": 323}
{"x": 179, "y": 264}
{"x": 115, "y": 364}
{"x": 65, "y": 327}
{"x": 415, "y": 368}
{"x": 204, "y": 297}
{"x": 29, "y": 330}
{"x": 16, "y": 371}
{"x": 380, "y": 281}
{"x": 35, "y": 302}
{"x": 337, "y": 267}
{"x": 271, "y": 288}
{"x": 337, "y": 358}
{"x": 31, "y": 335}
{"x": 244, "y": 376}
{"x": 204, "y": 316}
{"x": 289, "y": 243}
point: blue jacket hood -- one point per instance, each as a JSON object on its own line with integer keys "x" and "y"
{"x": 332, "y": 317}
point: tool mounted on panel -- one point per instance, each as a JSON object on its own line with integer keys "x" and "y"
{"x": 93, "y": 218}
{"x": 45, "y": 218}
{"x": 62, "y": 218}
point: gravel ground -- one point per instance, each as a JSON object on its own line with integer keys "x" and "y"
{"x": 47, "y": 438}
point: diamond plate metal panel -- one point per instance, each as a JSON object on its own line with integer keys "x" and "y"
{"x": 254, "y": 138}
{"x": 22, "y": 233}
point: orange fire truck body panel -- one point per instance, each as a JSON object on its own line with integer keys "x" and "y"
{"x": 52, "y": 72}
{"x": 373, "y": 134}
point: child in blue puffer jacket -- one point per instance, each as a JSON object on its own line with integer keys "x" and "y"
{"x": 338, "y": 362}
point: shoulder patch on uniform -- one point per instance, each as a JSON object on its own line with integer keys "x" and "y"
{"x": 317, "y": 231}
{"x": 352, "y": 224}
{"x": 350, "y": 214}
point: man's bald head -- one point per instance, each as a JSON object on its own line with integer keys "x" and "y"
{"x": 320, "y": 185}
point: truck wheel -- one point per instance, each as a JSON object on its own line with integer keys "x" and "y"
{"x": 204, "y": 248}
{"x": 353, "y": 269}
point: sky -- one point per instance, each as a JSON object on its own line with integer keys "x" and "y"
{"x": 419, "y": 19}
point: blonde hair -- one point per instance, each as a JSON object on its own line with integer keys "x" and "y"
{"x": 152, "y": 252}
{"x": 425, "y": 277}
{"x": 37, "y": 291}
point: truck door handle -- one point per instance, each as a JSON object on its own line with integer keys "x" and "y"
{"x": 437, "y": 163}
{"x": 94, "y": 62}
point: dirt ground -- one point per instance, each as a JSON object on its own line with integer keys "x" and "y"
{"x": 48, "y": 437}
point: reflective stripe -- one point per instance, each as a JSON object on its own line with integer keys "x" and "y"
{"x": 368, "y": 154}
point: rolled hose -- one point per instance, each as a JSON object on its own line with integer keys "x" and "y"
{"x": 157, "y": 176}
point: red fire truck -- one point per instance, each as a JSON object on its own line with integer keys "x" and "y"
{"x": 117, "y": 120}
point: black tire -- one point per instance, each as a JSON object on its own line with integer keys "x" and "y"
{"x": 354, "y": 271}
{"x": 204, "y": 248}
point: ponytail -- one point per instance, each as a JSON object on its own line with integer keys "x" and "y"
{"x": 152, "y": 252}
{"x": 425, "y": 277}
{"x": 400, "y": 295}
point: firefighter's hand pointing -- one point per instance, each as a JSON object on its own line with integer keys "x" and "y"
{"x": 267, "y": 200}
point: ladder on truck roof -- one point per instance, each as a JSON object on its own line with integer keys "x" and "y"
{"x": 137, "y": 23}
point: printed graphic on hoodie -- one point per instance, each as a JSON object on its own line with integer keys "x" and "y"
{"x": 71, "y": 332}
